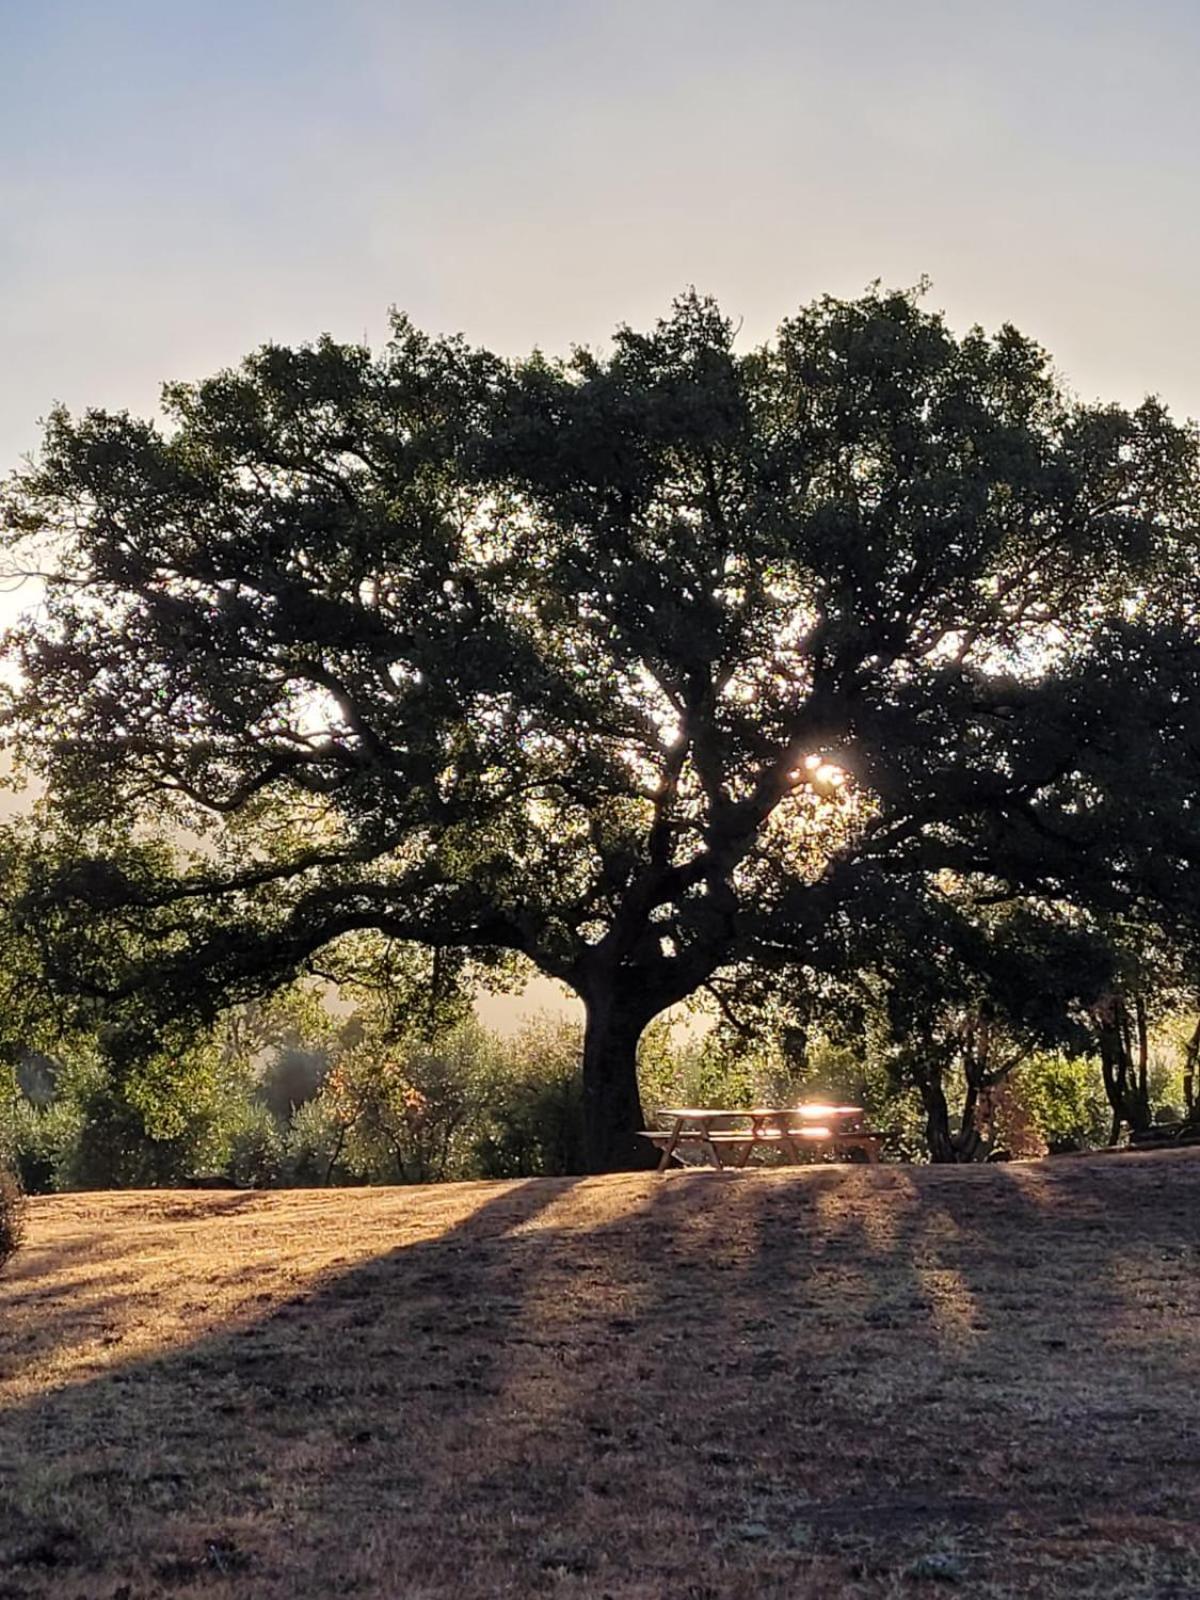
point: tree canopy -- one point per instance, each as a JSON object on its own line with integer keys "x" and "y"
{"x": 641, "y": 665}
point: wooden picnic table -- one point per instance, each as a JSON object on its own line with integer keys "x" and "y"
{"x": 790, "y": 1128}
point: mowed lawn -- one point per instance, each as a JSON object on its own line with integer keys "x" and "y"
{"x": 832, "y": 1381}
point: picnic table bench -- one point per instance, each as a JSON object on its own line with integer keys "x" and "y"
{"x": 819, "y": 1128}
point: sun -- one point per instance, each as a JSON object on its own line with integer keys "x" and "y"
{"x": 820, "y": 773}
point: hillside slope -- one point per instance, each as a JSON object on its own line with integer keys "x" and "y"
{"x": 832, "y": 1381}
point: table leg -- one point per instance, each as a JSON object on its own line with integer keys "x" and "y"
{"x": 786, "y": 1142}
{"x": 713, "y": 1152}
{"x": 669, "y": 1147}
{"x": 752, "y": 1138}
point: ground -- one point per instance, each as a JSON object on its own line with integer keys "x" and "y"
{"x": 832, "y": 1381}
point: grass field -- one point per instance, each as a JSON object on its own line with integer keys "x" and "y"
{"x": 832, "y": 1381}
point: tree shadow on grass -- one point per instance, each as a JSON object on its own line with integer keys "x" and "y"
{"x": 1080, "y": 1332}
{"x": 701, "y": 1386}
{"x": 251, "y": 1424}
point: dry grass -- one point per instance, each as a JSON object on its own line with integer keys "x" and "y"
{"x": 827, "y": 1382}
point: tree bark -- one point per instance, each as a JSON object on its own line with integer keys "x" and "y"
{"x": 612, "y": 1106}
{"x": 942, "y": 1148}
{"x": 1189, "y": 1075}
{"x": 1124, "y": 1048}
{"x": 946, "y": 1147}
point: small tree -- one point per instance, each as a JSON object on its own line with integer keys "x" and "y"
{"x": 532, "y": 1123}
{"x": 408, "y": 1104}
{"x": 1123, "y": 1039}
{"x": 1064, "y": 1096}
{"x": 951, "y": 993}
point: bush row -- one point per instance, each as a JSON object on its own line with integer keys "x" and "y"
{"x": 364, "y": 1103}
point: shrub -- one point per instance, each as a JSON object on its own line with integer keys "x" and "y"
{"x": 256, "y": 1150}
{"x": 704, "y": 1070}
{"x": 1065, "y": 1097}
{"x": 532, "y": 1124}
{"x": 38, "y": 1131}
{"x": 12, "y": 1215}
{"x": 536, "y": 1128}
{"x": 43, "y": 1143}
{"x": 113, "y": 1148}
{"x": 121, "y": 1147}
{"x": 895, "y": 1112}
{"x": 313, "y": 1148}
{"x": 1015, "y": 1129}
{"x": 410, "y": 1108}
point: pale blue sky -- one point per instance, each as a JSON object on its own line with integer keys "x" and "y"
{"x": 179, "y": 182}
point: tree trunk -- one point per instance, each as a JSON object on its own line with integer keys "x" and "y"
{"x": 1143, "y": 1061}
{"x": 946, "y": 1147}
{"x": 1189, "y": 1075}
{"x": 1123, "y": 1061}
{"x": 942, "y": 1148}
{"x": 612, "y": 1107}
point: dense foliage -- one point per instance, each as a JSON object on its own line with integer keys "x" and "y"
{"x": 651, "y": 669}
{"x": 373, "y": 1102}
{"x": 375, "y": 1106}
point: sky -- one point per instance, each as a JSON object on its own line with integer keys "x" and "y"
{"x": 180, "y": 182}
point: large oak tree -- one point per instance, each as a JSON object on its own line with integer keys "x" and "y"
{"x": 639, "y": 666}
